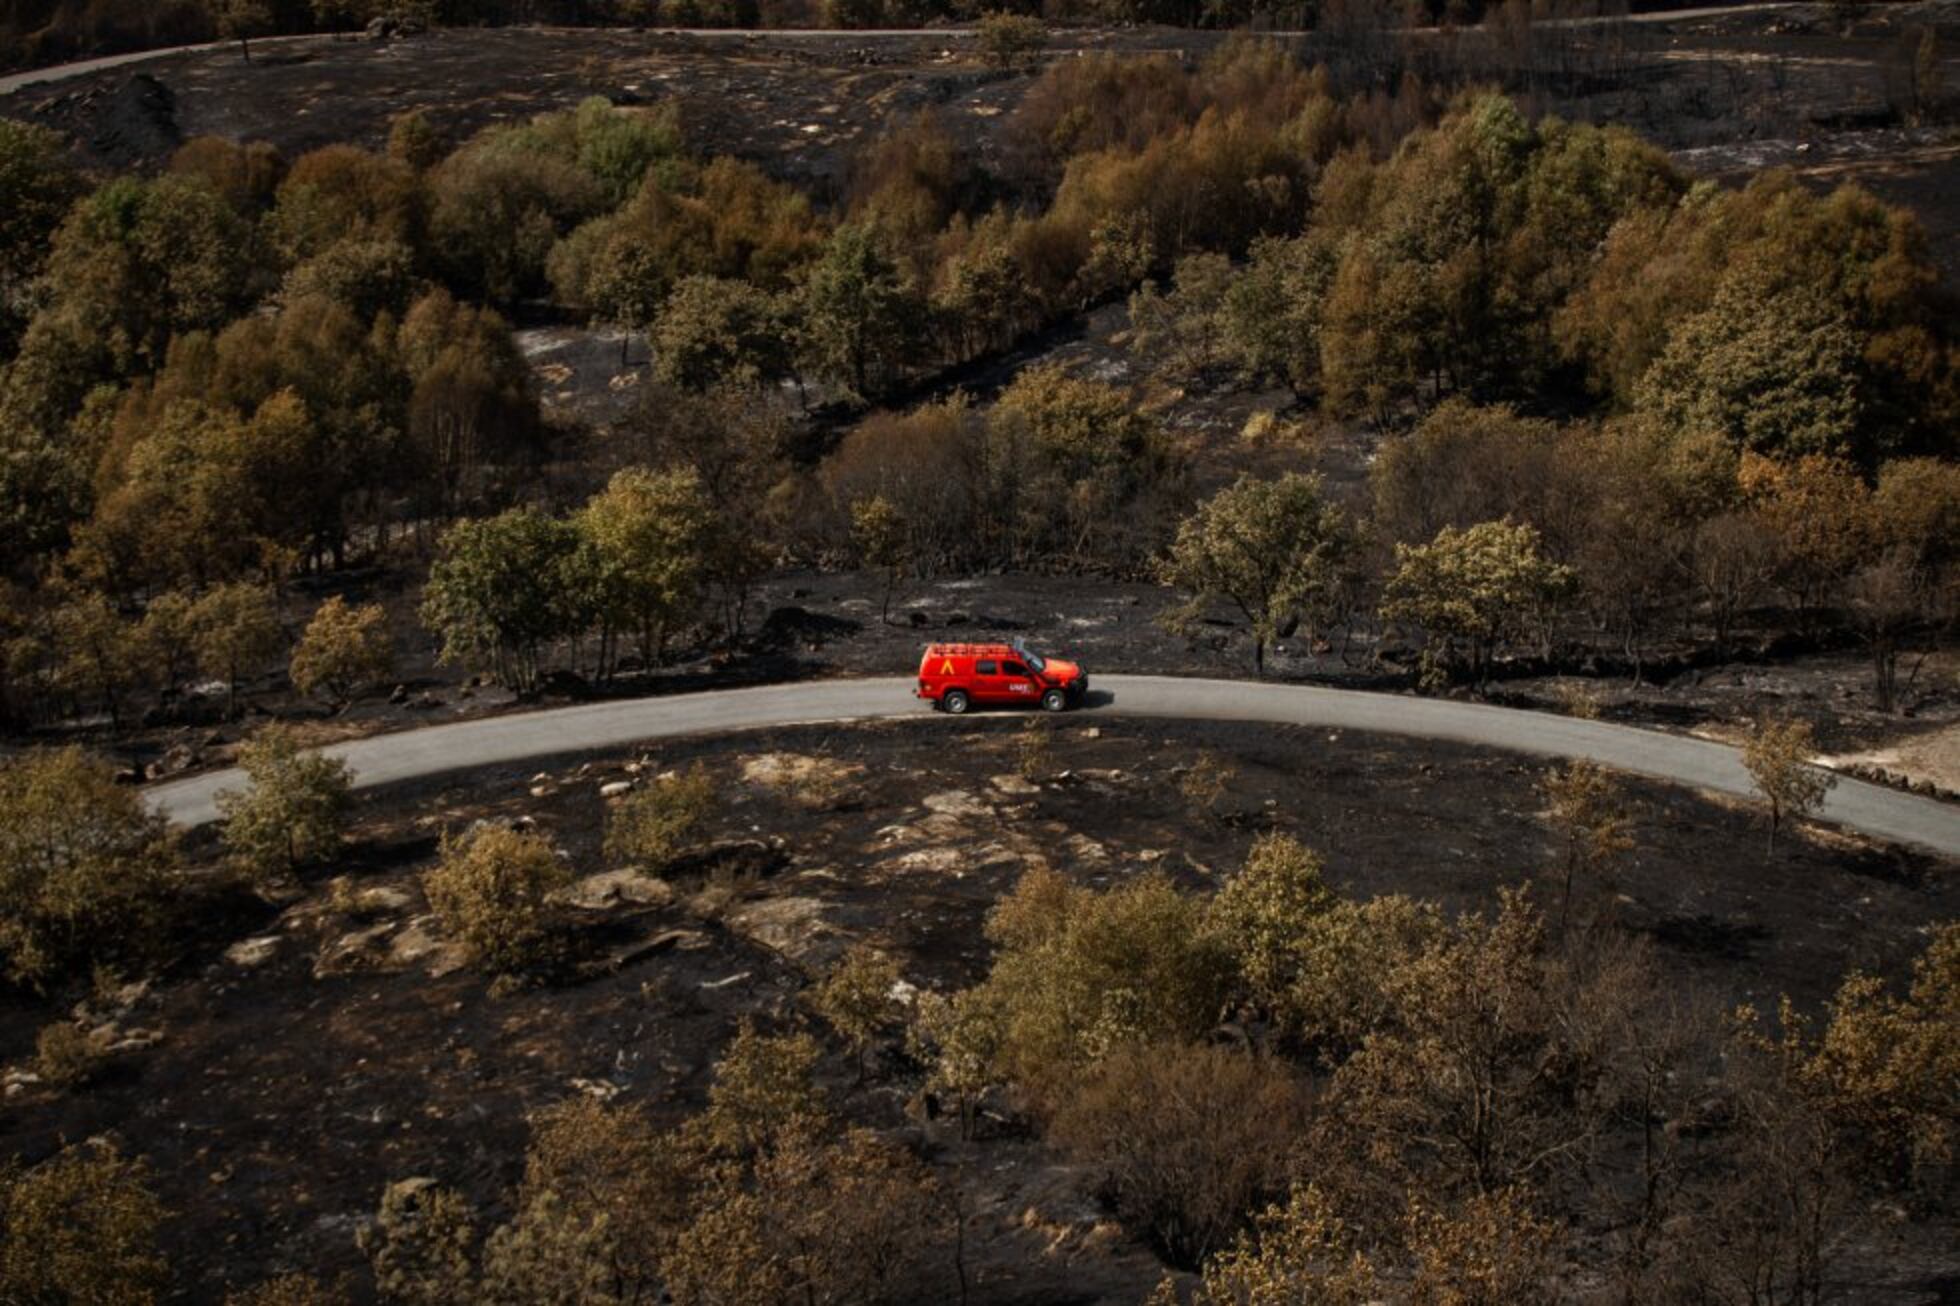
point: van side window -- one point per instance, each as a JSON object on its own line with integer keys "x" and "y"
{"x": 1015, "y": 669}
{"x": 986, "y": 667}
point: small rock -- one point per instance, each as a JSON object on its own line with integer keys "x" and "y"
{"x": 382, "y": 897}
{"x": 956, "y": 802}
{"x": 180, "y": 757}
{"x": 425, "y": 700}
{"x": 398, "y": 695}
{"x": 615, "y": 789}
{"x": 252, "y": 952}
{"x": 611, "y": 888}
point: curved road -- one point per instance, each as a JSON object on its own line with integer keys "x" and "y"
{"x": 488, "y": 741}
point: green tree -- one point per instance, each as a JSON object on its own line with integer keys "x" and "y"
{"x": 491, "y": 890}
{"x": 294, "y": 810}
{"x": 340, "y": 193}
{"x": 860, "y": 312}
{"x": 1078, "y": 973}
{"x": 1267, "y": 911}
{"x": 499, "y": 205}
{"x": 40, "y": 182}
{"x": 93, "y": 653}
{"x": 84, "y": 867}
{"x": 653, "y": 538}
{"x": 764, "y": 1096}
{"x": 139, "y": 261}
{"x": 1777, "y": 755}
{"x": 1009, "y": 38}
{"x": 1775, "y": 370}
{"x": 503, "y": 590}
{"x": 414, "y": 140}
{"x": 1272, "y": 312}
{"x": 1270, "y": 548}
{"x": 713, "y": 330}
{"x": 422, "y": 1244}
{"x": 343, "y": 648}
{"x": 1479, "y": 586}
{"x": 1301, "y": 1251}
{"x": 291, "y": 1290}
{"x": 236, "y": 632}
{"x": 856, "y": 998}
{"x": 80, "y": 1227}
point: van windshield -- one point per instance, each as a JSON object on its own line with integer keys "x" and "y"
{"x": 1035, "y": 661}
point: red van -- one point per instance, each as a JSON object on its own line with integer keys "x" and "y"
{"x": 958, "y": 676}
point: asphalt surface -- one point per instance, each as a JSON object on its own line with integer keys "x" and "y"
{"x": 489, "y": 741}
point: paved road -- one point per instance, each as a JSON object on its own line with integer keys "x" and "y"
{"x": 60, "y": 72}
{"x": 411, "y": 754}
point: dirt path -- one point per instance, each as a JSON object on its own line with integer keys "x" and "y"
{"x": 1699, "y": 764}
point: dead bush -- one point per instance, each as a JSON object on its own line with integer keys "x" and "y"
{"x": 292, "y": 1290}
{"x": 1034, "y": 749}
{"x": 1189, "y": 1141}
{"x": 1204, "y": 785}
{"x": 68, "y": 1054}
{"x": 827, "y": 1222}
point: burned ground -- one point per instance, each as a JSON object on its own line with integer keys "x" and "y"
{"x": 306, "y": 1052}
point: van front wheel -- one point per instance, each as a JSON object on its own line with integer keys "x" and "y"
{"x": 954, "y": 701}
{"x": 1054, "y": 700}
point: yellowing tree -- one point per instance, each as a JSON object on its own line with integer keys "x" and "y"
{"x": 236, "y": 631}
{"x": 343, "y": 648}
{"x": 1777, "y": 754}
{"x": 1587, "y": 813}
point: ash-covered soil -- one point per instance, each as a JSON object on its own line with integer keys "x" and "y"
{"x": 306, "y": 1052}
{"x": 798, "y": 104}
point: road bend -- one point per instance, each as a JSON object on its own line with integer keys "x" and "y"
{"x": 386, "y": 759}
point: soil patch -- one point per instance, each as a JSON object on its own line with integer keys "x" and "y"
{"x": 282, "y": 1094}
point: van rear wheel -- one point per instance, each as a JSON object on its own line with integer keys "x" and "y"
{"x": 954, "y": 701}
{"x": 1054, "y": 700}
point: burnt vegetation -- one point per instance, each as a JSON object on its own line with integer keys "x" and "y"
{"x": 1523, "y": 396}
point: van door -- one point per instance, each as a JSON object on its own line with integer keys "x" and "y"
{"x": 987, "y": 684}
{"x": 1019, "y": 685}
